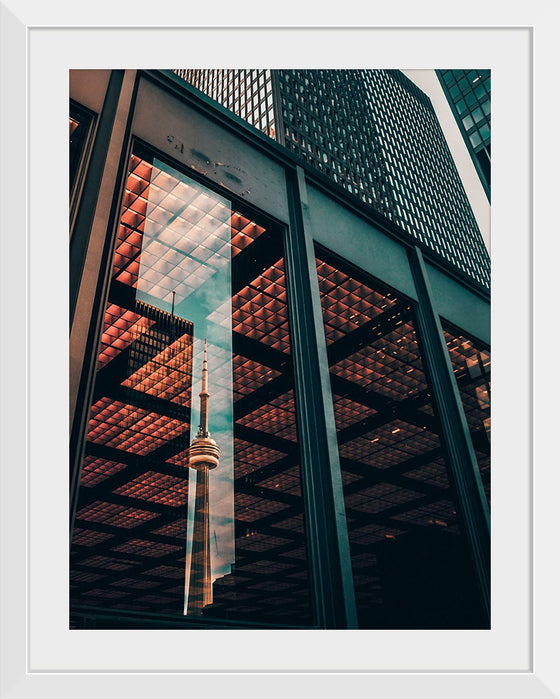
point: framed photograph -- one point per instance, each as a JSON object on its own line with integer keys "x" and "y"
{"x": 52, "y": 643}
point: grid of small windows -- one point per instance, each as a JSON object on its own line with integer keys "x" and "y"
{"x": 325, "y": 123}
{"x": 375, "y": 133}
{"x": 432, "y": 204}
{"x": 247, "y": 93}
{"x": 468, "y": 93}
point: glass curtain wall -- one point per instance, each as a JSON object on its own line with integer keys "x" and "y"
{"x": 190, "y": 503}
{"x": 190, "y": 499}
{"x": 410, "y": 564}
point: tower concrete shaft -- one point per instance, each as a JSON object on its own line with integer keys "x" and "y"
{"x": 204, "y": 455}
{"x": 200, "y": 579}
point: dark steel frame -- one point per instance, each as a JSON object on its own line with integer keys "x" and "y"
{"x": 92, "y": 183}
{"x": 463, "y": 466}
{"x": 78, "y": 251}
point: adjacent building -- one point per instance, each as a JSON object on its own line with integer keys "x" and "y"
{"x": 374, "y": 133}
{"x": 468, "y": 94}
{"x": 326, "y": 285}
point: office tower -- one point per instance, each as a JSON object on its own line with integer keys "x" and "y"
{"x": 204, "y": 455}
{"x": 247, "y": 93}
{"x": 468, "y": 94}
{"x": 373, "y": 132}
{"x": 348, "y": 366}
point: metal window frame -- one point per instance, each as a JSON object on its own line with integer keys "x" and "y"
{"x": 92, "y": 183}
{"x": 78, "y": 252}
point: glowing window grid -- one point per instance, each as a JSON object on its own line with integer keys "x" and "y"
{"x": 393, "y": 471}
{"x": 159, "y": 366}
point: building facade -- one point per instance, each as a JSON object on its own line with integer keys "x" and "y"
{"x": 374, "y": 133}
{"x": 347, "y": 363}
{"x": 468, "y": 94}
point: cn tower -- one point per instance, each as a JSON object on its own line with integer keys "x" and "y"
{"x": 204, "y": 455}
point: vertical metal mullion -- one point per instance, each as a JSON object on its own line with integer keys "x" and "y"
{"x": 327, "y": 536}
{"x": 472, "y": 503}
{"x": 92, "y": 183}
{"x": 78, "y": 424}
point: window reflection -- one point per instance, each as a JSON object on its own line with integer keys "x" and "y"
{"x": 409, "y": 562}
{"x": 155, "y": 531}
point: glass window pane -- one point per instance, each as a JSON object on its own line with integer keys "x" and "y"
{"x": 470, "y": 99}
{"x": 454, "y": 92}
{"x": 481, "y": 92}
{"x": 409, "y": 560}
{"x": 475, "y": 139}
{"x": 190, "y": 499}
{"x": 484, "y": 131}
{"x": 477, "y": 115}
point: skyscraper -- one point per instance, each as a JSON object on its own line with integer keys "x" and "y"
{"x": 468, "y": 94}
{"x": 348, "y": 362}
{"x": 373, "y": 132}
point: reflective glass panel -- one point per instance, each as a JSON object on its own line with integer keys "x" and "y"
{"x": 410, "y": 565}
{"x": 190, "y": 500}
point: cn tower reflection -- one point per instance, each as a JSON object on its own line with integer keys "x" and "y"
{"x": 203, "y": 455}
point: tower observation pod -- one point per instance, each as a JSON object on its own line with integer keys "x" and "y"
{"x": 203, "y": 456}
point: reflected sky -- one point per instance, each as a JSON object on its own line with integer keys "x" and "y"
{"x": 185, "y": 268}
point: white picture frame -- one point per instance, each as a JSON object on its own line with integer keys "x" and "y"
{"x": 40, "y": 656}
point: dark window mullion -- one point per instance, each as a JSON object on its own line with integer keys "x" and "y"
{"x": 463, "y": 466}
{"x": 328, "y": 546}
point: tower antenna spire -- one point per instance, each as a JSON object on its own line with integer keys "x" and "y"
{"x": 204, "y": 395}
